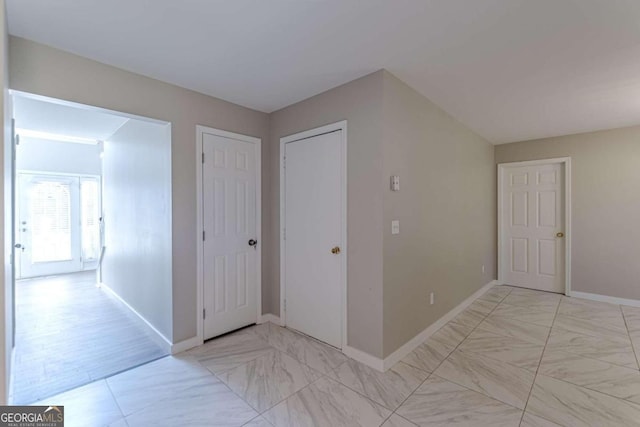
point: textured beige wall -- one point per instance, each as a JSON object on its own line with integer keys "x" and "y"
{"x": 446, "y": 207}
{"x": 605, "y": 205}
{"x": 42, "y": 70}
{"x": 360, "y": 103}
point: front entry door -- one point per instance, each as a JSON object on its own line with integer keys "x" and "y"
{"x": 313, "y": 232}
{"x": 230, "y": 255}
{"x": 48, "y": 225}
{"x": 533, "y": 243}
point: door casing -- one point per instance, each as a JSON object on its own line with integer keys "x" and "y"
{"x": 565, "y": 162}
{"x": 342, "y": 126}
{"x": 200, "y": 131}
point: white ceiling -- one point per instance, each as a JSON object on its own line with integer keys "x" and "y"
{"x": 43, "y": 116}
{"x": 509, "y": 69}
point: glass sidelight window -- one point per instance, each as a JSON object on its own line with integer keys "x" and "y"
{"x": 90, "y": 218}
{"x": 50, "y": 205}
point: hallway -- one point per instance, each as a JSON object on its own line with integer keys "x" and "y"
{"x": 69, "y": 332}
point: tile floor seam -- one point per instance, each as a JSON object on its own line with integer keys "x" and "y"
{"x": 455, "y": 348}
{"x": 383, "y": 405}
{"x": 321, "y": 375}
{"x": 590, "y": 389}
{"x": 575, "y": 353}
{"x": 452, "y": 351}
{"x": 124, "y": 417}
{"x": 405, "y": 400}
{"x": 524, "y": 411}
{"x": 240, "y": 397}
{"x": 633, "y": 347}
{"x": 246, "y": 401}
{"x": 307, "y": 386}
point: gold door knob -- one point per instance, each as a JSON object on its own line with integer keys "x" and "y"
{"x": 335, "y": 250}
{"x": 560, "y": 234}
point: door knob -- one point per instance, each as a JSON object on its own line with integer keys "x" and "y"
{"x": 253, "y": 242}
{"x": 560, "y": 234}
{"x": 335, "y": 250}
{"x": 17, "y": 246}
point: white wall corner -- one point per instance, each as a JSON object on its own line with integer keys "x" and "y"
{"x": 270, "y": 318}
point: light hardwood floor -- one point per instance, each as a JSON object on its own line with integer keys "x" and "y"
{"x": 69, "y": 333}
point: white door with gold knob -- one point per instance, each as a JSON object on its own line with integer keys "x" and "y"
{"x": 313, "y": 232}
{"x": 533, "y": 241}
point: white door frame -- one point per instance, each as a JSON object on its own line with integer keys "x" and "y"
{"x": 566, "y": 162}
{"x": 200, "y": 131}
{"x": 342, "y": 126}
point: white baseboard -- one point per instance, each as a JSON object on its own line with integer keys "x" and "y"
{"x": 605, "y": 298}
{"x": 161, "y": 339}
{"x": 185, "y": 345}
{"x": 270, "y": 318}
{"x": 365, "y": 358}
{"x": 384, "y": 364}
{"x": 407, "y": 348}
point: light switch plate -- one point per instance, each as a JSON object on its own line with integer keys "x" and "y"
{"x": 395, "y": 183}
{"x": 395, "y": 227}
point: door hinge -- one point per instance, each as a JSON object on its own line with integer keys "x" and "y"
{"x": 203, "y": 236}
{"x": 284, "y": 162}
{"x": 204, "y": 313}
{"x": 202, "y": 157}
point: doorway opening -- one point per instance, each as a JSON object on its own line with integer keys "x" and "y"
{"x": 92, "y": 261}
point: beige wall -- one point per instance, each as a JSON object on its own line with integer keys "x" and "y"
{"x": 360, "y": 103}
{"x": 605, "y": 205}
{"x": 391, "y": 130}
{"x": 42, "y": 70}
{"x": 446, "y": 207}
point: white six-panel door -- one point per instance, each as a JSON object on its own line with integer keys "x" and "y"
{"x": 230, "y": 255}
{"x": 313, "y": 228}
{"x": 533, "y": 242}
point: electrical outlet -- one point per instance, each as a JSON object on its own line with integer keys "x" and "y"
{"x": 483, "y": 269}
{"x": 431, "y": 298}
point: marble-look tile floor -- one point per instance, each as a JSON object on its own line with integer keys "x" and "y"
{"x": 514, "y": 357}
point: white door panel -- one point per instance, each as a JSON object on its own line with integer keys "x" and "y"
{"x": 229, "y": 212}
{"x": 313, "y": 227}
{"x": 533, "y": 215}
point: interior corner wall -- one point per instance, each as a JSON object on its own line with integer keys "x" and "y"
{"x": 6, "y": 215}
{"x": 136, "y": 207}
{"x": 42, "y": 70}
{"x": 605, "y": 206}
{"x": 446, "y": 207}
{"x": 360, "y": 103}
